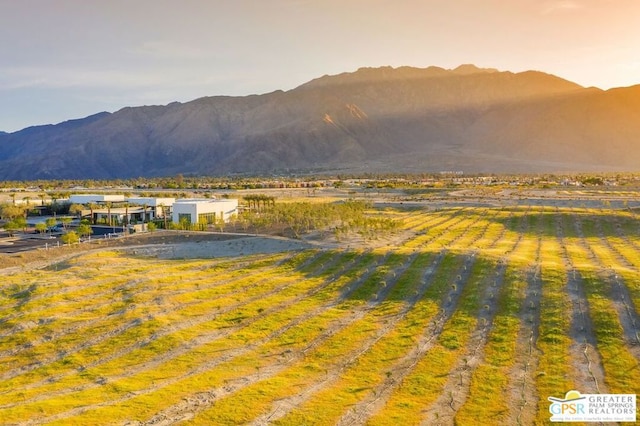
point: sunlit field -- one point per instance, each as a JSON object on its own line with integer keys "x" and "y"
{"x": 464, "y": 315}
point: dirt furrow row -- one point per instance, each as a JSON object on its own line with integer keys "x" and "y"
{"x": 401, "y": 369}
{"x": 617, "y": 290}
{"x": 130, "y": 286}
{"x": 204, "y": 339}
{"x": 191, "y": 407}
{"x": 587, "y": 362}
{"x": 185, "y": 347}
{"x": 456, "y": 390}
{"x": 174, "y": 327}
{"x": 624, "y": 306}
{"x": 520, "y": 390}
{"x": 287, "y": 405}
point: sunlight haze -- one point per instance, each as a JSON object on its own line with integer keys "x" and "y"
{"x": 69, "y": 59}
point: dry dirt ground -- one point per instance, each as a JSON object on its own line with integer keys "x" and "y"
{"x": 181, "y": 245}
{"x": 161, "y": 244}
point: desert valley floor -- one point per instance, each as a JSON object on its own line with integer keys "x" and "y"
{"x": 475, "y": 311}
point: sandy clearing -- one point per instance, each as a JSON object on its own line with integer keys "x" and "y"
{"x": 168, "y": 245}
{"x": 214, "y": 249}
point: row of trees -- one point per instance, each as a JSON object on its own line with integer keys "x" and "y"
{"x": 12, "y": 210}
{"x": 299, "y": 218}
{"x": 15, "y": 218}
{"x": 60, "y": 188}
{"x": 296, "y": 219}
{"x": 260, "y": 201}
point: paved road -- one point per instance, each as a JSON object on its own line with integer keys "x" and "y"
{"x": 25, "y": 242}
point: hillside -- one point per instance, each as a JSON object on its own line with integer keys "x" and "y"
{"x": 374, "y": 119}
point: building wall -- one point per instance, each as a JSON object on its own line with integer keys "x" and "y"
{"x": 157, "y": 206}
{"x": 151, "y": 201}
{"x": 194, "y": 208}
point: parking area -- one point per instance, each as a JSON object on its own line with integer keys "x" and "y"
{"x": 21, "y": 242}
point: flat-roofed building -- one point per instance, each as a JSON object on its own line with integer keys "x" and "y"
{"x": 120, "y": 215}
{"x": 203, "y": 210}
{"x": 158, "y": 207}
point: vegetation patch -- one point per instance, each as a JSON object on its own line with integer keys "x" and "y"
{"x": 360, "y": 326}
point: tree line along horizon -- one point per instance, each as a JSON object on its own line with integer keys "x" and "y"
{"x": 62, "y": 187}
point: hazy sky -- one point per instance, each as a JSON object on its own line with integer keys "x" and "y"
{"x": 63, "y": 59}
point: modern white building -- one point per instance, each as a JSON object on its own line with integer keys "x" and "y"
{"x": 203, "y": 211}
{"x": 128, "y": 210}
{"x": 157, "y": 206}
{"x": 143, "y": 209}
{"x": 121, "y": 215}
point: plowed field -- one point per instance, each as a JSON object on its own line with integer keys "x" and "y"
{"x": 475, "y": 315}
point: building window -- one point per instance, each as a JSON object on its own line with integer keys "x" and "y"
{"x": 184, "y": 218}
{"x": 208, "y": 218}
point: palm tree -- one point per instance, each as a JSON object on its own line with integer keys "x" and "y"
{"x": 92, "y": 206}
{"x": 126, "y": 214}
{"x": 26, "y": 201}
{"x": 164, "y": 214}
{"x": 109, "y": 213}
{"x": 54, "y": 197}
{"x": 76, "y": 209}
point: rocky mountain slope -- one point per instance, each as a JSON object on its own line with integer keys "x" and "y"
{"x": 372, "y": 120}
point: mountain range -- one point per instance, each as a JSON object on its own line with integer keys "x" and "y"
{"x": 403, "y": 120}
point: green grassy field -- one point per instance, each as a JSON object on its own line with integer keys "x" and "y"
{"x": 476, "y": 317}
